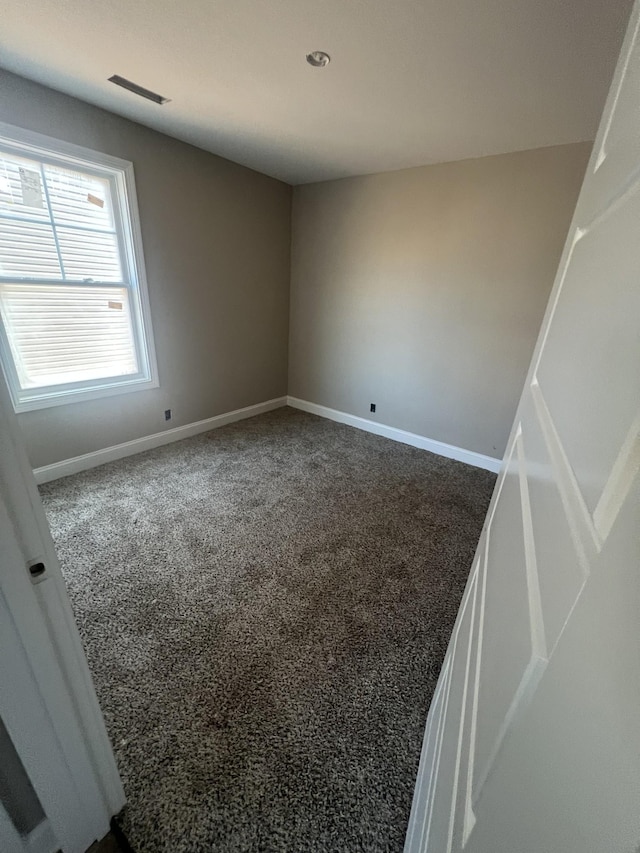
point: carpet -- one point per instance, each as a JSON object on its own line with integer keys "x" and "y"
{"x": 265, "y": 609}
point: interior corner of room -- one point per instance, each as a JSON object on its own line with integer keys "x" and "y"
{"x": 420, "y": 290}
{"x": 319, "y": 427}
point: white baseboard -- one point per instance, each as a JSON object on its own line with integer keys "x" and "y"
{"x": 478, "y": 460}
{"x": 148, "y": 442}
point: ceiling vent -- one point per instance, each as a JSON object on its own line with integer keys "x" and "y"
{"x": 138, "y": 90}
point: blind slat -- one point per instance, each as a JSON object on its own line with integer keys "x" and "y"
{"x": 88, "y": 254}
{"x": 88, "y": 249}
{"x": 46, "y": 353}
{"x": 28, "y": 250}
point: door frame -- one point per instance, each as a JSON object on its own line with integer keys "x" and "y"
{"x": 42, "y": 614}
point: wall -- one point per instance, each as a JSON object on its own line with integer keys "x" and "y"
{"x": 216, "y": 242}
{"x": 420, "y": 290}
{"x": 423, "y": 290}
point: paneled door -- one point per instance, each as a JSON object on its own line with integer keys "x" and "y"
{"x": 59, "y": 785}
{"x": 532, "y": 742}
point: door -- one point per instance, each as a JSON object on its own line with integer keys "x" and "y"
{"x": 532, "y": 742}
{"x": 59, "y": 785}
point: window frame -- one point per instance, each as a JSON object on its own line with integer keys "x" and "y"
{"x": 120, "y": 175}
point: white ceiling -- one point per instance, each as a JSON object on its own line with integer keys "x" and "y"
{"x": 411, "y": 82}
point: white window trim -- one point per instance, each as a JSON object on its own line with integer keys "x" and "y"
{"x": 37, "y": 144}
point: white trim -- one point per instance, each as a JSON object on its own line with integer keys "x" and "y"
{"x": 128, "y": 448}
{"x": 129, "y": 199}
{"x": 148, "y": 442}
{"x": 121, "y": 178}
{"x": 29, "y": 139}
{"x": 96, "y": 392}
{"x": 478, "y": 460}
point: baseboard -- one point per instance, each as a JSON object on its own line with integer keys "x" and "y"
{"x": 478, "y": 460}
{"x": 148, "y": 442}
{"x": 118, "y": 451}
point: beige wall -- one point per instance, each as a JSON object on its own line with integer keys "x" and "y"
{"x": 420, "y": 290}
{"x": 217, "y": 243}
{"x": 423, "y": 290}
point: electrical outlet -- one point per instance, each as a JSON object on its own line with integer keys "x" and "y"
{"x": 167, "y": 414}
{"x": 373, "y": 407}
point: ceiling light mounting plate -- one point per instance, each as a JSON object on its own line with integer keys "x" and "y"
{"x": 318, "y": 58}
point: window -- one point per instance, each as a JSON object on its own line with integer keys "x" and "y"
{"x": 73, "y": 301}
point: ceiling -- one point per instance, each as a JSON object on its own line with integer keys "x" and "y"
{"x": 411, "y": 82}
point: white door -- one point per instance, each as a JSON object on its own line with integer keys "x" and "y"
{"x": 59, "y": 785}
{"x": 532, "y": 743}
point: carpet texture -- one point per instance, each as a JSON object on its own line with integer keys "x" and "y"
{"x": 265, "y": 610}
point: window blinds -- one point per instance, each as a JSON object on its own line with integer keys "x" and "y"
{"x": 61, "y": 334}
{"x": 64, "y": 298}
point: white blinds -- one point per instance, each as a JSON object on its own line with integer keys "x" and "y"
{"x": 56, "y": 223}
{"x": 59, "y": 250}
{"x": 27, "y": 250}
{"x": 61, "y": 334}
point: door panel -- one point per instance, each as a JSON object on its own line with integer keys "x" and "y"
{"x": 560, "y": 570}
{"x": 615, "y": 155}
{"x": 568, "y": 777}
{"x": 423, "y": 799}
{"x": 47, "y": 702}
{"x": 446, "y": 786}
{"x": 512, "y": 650}
{"x": 547, "y": 755}
{"x": 30, "y": 729}
{"x": 584, "y": 377}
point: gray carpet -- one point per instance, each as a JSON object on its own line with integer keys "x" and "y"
{"x": 265, "y": 610}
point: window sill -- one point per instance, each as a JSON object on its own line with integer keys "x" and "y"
{"x": 47, "y": 401}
